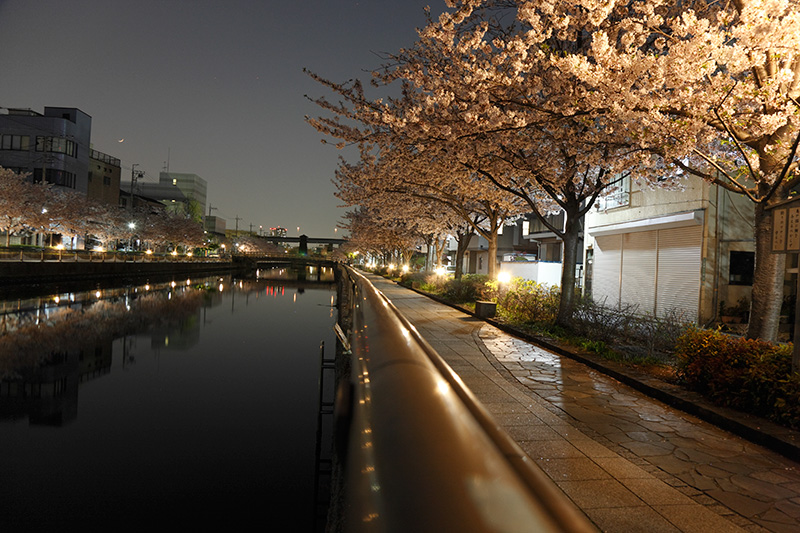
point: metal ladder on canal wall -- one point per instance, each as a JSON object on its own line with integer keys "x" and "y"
{"x": 324, "y": 436}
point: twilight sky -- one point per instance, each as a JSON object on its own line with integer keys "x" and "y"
{"x": 214, "y": 88}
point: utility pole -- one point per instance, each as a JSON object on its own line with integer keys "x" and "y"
{"x": 237, "y": 224}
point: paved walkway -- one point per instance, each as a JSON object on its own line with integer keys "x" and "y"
{"x": 628, "y": 462}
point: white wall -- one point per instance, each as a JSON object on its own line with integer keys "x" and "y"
{"x": 538, "y": 271}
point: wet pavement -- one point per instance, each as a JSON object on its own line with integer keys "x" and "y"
{"x": 629, "y": 462}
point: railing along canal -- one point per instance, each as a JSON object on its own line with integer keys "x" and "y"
{"x": 422, "y": 454}
{"x": 92, "y": 256}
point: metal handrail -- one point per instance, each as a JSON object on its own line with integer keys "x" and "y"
{"x": 91, "y": 256}
{"x": 422, "y": 454}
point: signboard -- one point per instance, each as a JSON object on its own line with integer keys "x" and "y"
{"x": 786, "y": 227}
{"x": 786, "y": 240}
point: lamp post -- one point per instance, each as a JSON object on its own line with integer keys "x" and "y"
{"x": 131, "y": 226}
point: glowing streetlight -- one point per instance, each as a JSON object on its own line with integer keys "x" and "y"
{"x": 504, "y": 277}
{"x": 405, "y": 268}
{"x": 440, "y": 271}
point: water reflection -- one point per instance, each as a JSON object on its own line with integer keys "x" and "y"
{"x": 196, "y": 396}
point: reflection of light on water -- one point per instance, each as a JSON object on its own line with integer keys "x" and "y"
{"x": 295, "y": 297}
{"x": 220, "y": 287}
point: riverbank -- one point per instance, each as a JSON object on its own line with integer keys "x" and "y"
{"x": 15, "y": 272}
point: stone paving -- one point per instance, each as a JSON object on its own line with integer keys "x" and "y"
{"x": 629, "y": 462}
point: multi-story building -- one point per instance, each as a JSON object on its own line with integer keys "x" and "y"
{"x": 54, "y": 146}
{"x": 104, "y": 177}
{"x": 193, "y": 187}
{"x": 179, "y": 193}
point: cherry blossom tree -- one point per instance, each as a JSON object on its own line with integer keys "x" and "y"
{"x": 22, "y": 204}
{"x": 481, "y": 89}
{"x": 712, "y": 88}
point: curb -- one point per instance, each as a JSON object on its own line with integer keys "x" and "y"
{"x": 750, "y": 427}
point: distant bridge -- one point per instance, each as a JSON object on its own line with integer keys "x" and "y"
{"x": 303, "y": 241}
{"x": 255, "y": 258}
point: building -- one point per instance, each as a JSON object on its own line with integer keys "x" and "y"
{"x": 688, "y": 251}
{"x": 193, "y": 187}
{"x": 526, "y": 248}
{"x": 54, "y": 146}
{"x": 179, "y": 193}
{"x": 104, "y": 178}
{"x": 215, "y": 225}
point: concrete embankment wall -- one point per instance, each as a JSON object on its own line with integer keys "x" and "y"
{"x": 47, "y": 271}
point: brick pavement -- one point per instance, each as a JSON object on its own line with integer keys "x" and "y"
{"x": 629, "y": 462}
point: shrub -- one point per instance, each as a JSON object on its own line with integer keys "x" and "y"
{"x": 747, "y": 374}
{"x": 527, "y": 301}
{"x": 642, "y": 335}
{"x": 409, "y": 278}
{"x": 469, "y": 288}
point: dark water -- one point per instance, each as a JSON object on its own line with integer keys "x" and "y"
{"x": 187, "y": 405}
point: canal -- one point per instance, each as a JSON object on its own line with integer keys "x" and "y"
{"x": 189, "y": 402}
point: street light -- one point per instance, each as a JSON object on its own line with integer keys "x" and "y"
{"x": 131, "y": 226}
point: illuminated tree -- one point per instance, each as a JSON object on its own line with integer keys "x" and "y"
{"x": 712, "y": 88}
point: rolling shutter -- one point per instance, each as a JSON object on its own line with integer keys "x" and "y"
{"x": 606, "y": 270}
{"x": 679, "y": 266}
{"x": 639, "y": 270}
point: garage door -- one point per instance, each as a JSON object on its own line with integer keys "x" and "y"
{"x": 657, "y": 271}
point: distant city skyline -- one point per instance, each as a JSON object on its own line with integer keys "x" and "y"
{"x": 207, "y": 88}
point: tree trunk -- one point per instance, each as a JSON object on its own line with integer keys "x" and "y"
{"x": 440, "y": 244}
{"x": 492, "y": 260}
{"x": 569, "y": 263}
{"x": 462, "y": 238}
{"x": 767, "y": 295}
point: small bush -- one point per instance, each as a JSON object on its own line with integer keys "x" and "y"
{"x": 469, "y": 288}
{"x": 408, "y": 279}
{"x": 527, "y": 301}
{"x": 746, "y": 374}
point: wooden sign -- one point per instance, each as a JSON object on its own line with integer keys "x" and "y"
{"x": 786, "y": 227}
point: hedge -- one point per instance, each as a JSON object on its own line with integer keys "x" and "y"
{"x": 747, "y": 374}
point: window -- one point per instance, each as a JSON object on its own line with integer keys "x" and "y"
{"x": 56, "y": 177}
{"x": 15, "y": 142}
{"x": 741, "y": 268}
{"x": 106, "y": 180}
{"x": 56, "y": 144}
{"x": 619, "y": 194}
{"x": 526, "y": 227}
{"x": 536, "y": 226}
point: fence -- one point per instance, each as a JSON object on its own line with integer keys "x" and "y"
{"x": 91, "y": 256}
